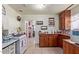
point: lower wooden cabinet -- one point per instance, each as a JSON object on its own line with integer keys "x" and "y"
{"x": 60, "y": 39}
{"x": 47, "y": 40}
{"x": 43, "y": 39}
{"x": 76, "y": 49}
{"x": 70, "y": 48}
{"x": 52, "y": 40}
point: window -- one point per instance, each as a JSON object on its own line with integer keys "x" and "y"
{"x": 75, "y": 22}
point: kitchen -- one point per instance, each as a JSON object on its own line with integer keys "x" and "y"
{"x": 40, "y": 29}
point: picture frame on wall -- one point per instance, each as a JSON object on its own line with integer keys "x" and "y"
{"x": 43, "y": 27}
{"x": 39, "y": 22}
{"x": 51, "y": 22}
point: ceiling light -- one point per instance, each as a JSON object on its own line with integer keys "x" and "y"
{"x": 39, "y": 6}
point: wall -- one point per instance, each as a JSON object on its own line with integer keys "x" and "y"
{"x": 43, "y": 18}
{"x": 9, "y": 21}
{"x": 75, "y": 10}
{"x": 75, "y": 17}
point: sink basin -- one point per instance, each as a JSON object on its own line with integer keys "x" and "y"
{"x": 7, "y": 40}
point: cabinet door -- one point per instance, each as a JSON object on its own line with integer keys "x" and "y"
{"x": 5, "y": 50}
{"x": 76, "y": 50}
{"x": 55, "y": 40}
{"x": 65, "y": 47}
{"x": 12, "y": 49}
{"x": 41, "y": 41}
{"x": 52, "y": 40}
{"x": 67, "y": 19}
{"x": 60, "y": 40}
{"x": 62, "y": 21}
{"x": 46, "y": 41}
{"x": 68, "y": 48}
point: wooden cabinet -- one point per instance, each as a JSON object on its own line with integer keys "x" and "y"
{"x": 60, "y": 39}
{"x": 52, "y": 40}
{"x": 76, "y": 49}
{"x": 43, "y": 40}
{"x": 47, "y": 40}
{"x": 65, "y": 20}
{"x": 61, "y": 21}
{"x": 70, "y": 47}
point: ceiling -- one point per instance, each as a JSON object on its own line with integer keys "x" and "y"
{"x": 30, "y": 8}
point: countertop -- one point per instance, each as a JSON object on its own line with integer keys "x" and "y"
{"x": 63, "y": 34}
{"x": 5, "y": 44}
{"x": 56, "y": 34}
{"x": 71, "y": 42}
{"x": 9, "y": 42}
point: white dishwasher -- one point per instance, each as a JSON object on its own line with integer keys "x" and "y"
{"x": 21, "y": 44}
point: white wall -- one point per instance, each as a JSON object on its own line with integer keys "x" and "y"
{"x": 75, "y": 10}
{"x": 44, "y": 18}
{"x": 9, "y": 20}
{"x": 75, "y": 18}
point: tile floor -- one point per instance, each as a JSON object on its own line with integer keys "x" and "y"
{"x": 35, "y": 49}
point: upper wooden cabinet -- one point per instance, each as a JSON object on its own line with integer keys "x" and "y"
{"x": 65, "y": 20}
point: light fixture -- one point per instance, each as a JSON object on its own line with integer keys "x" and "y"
{"x": 39, "y": 6}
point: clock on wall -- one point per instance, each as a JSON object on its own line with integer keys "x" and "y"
{"x": 18, "y": 18}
